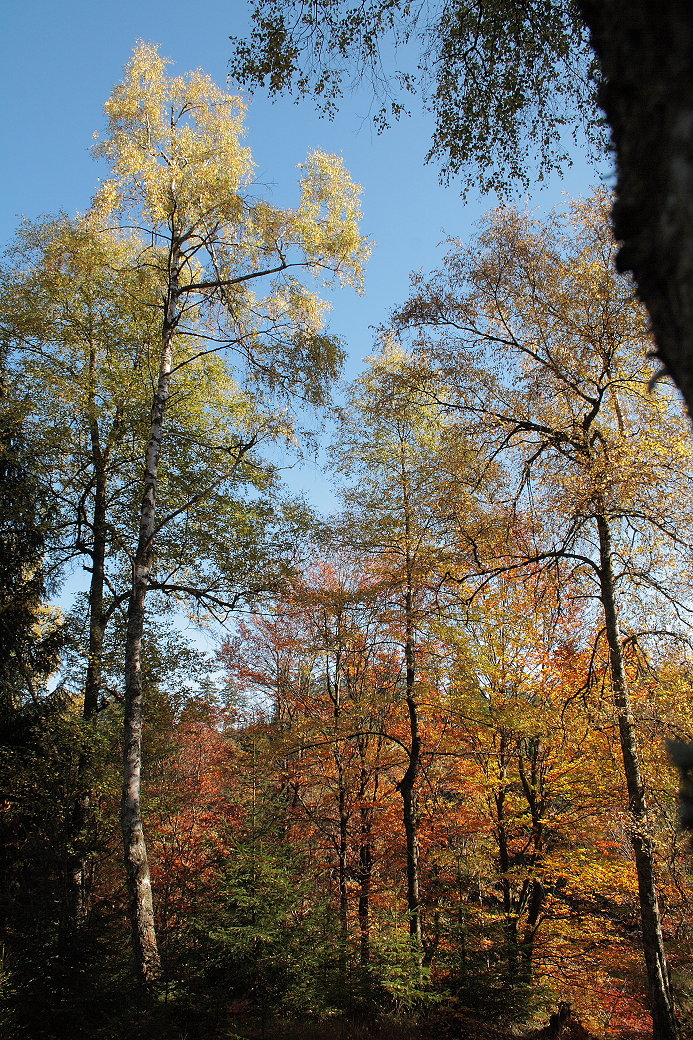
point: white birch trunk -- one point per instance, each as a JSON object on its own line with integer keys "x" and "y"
{"x": 134, "y": 847}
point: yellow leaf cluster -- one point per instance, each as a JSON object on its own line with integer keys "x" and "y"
{"x": 174, "y": 145}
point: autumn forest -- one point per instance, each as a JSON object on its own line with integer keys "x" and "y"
{"x": 268, "y": 771}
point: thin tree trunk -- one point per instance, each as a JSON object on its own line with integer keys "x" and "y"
{"x": 365, "y": 874}
{"x": 334, "y": 689}
{"x": 509, "y": 916}
{"x": 665, "y": 1024}
{"x": 407, "y": 784}
{"x": 97, "y": 614}
{"x": 461, "y": 916}
{"x": 535, "y": 897}
{"x": 92, "y": 686}
{"x": 97, "y": 628}
{"x": 343, "y": 851}
{"x": 134, "y": 847}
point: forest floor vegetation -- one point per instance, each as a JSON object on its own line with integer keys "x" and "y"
{"x": 440, "y": 1025}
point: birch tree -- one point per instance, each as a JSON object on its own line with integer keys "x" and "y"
{"x": 79, "y": 318}
{"x": 182, "y": 177}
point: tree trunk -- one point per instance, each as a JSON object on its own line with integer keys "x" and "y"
{"x": 509, "y": 915}
{"x": 343, "y": 866}
{"x": 365, "y": 871}
{"x": 334, "y": 689}
{"x": 535, "y": 905}
{"x": 406, "y": 787}
{"x": 646, "y": 56}
{"x": 408, "y": 782}
{"x": 97, "y": 614}
{"x": 534, "y": 897}
{"x": 665, "y": 1025}
{"x": 135, "y": 850}
{"x": 92, "y": 686}
{"x": 97, "y": 627}
{"x": 365, "y": 874}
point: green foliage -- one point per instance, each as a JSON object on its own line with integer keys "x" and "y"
{"x": 179, "y": 167}
{"x": 57, "y": 976}
{"x": 30, "y": 633}
{"x": 473, "y": 969}
{"x": 515, "y": 85}
{"x": 276, "y": 849}
{"x": 397, "y": 980}
{"x": 504, "y": 80}
{"x": 79, "y": 313}
{"x": 265, "y": 940}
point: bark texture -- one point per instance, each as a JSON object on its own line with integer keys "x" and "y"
{"x": 82, "y": 815}
{"x": 664, "y": 1022}
{"x": 365, "y": 867}
{"x": 134, "y": 847}
{"x": 646, "y": 55}
{"x": 407, "y": 785}
{"x": 408, "y": 782}
{"x": 365, "y": 872}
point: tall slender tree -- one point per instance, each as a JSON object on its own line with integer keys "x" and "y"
{"x": 181, "y": 174}
{"x": 80, "y": 318}
{"x": 389, "y": 447}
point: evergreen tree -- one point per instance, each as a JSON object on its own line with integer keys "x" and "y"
{"x": 33, "y": 754}
{"x": 30, "y": 639}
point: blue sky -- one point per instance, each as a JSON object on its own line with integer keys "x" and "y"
{"x": 59, "y": 62}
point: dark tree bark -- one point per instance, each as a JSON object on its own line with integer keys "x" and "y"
{"x": 510, "y": 918}
{"x": 92, "y": 686}
{"x": 365, "y": 873}
{"x": 97, "y": 612}
{"x": 365, "y": 868}
{"x": 646, "y": 55}
{"x": 343, "y": 865}
{"x": 407, "y": 785}
{"x": 661, "y": 1001}
{"x": 98, "y": 619}
{"x": 335, "y": 692}
{"x": 408, "y": 782}
{"x": 534, "y": 892}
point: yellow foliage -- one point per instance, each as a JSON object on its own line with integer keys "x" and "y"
{"x": 175, "y": 148}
